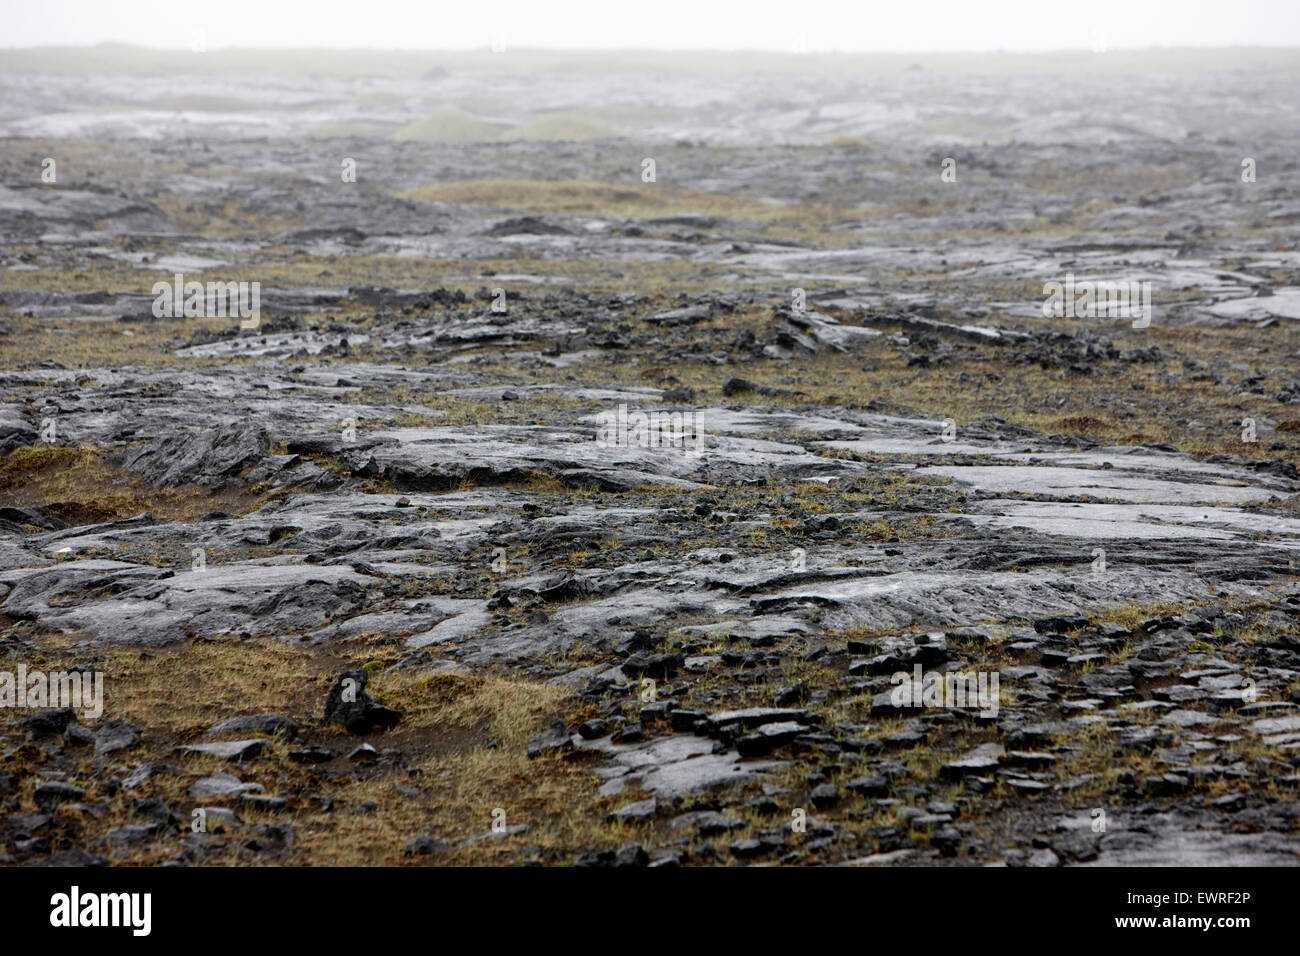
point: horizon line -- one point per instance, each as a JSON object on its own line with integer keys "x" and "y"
{"x": 720, "y": 51}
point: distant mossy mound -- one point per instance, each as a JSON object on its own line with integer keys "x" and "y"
{"x": 850, "y": 142}
{"x": 448, "y": 127}
{"x": 564, "y": 197}
{"x": 592, "y": 198}
{"x": 562, "y": 126}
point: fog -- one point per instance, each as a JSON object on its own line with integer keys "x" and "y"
{"x": 818, "y": 25}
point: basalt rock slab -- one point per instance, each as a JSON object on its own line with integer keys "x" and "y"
{"x": 352, "y": 706}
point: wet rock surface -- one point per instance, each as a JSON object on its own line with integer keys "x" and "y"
{"x": 744, "y": 619}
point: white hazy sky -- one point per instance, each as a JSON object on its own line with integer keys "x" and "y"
{"x": 792, "y": 25}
